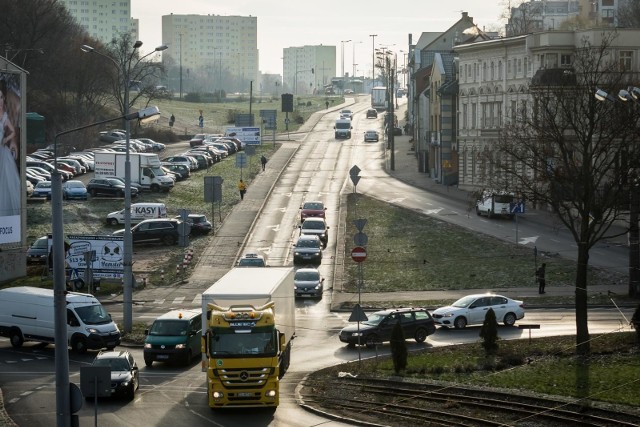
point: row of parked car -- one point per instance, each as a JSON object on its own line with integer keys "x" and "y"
{"x": 208, "y": 150}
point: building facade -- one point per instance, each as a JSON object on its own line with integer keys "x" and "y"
{"x": 104, "y": 20}
{"x": 494, "y": 79}
{"x": 308, "y": 69}
{"x": 211, "y": 52}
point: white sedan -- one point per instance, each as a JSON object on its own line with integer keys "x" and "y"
{"x": 472, "y": 309}
{"x": 371, "y": 135}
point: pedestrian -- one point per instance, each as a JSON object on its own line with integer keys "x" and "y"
{"x": 540, "y": 278}
{"x": 242, "y": 187}
{"x": 263, "y": 161}
{"x": 172, "y": 120}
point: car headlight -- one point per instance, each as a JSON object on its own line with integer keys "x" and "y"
{"x": 356, "y": 334}
{"x": 147, "y": 345}
{"x": 180, "y": 346}
{"x": 449, "y": 314}
{"x": 92, "y": 330}
{"x": 295, "y": 287}
{"x": 124, "y": 383}
{"x": 297, "y": 253}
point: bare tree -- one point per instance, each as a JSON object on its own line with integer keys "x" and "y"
{"x": 629, "y": 13}
{"x": 571, "y": 153}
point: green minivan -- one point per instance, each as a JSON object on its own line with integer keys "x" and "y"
{"x": 174, "y": 337}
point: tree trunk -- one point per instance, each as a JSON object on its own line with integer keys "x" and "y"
{"x": 583, "y": 345}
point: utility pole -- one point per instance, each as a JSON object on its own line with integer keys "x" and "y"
{"x": 373, "y": 60}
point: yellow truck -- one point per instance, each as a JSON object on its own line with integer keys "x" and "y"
{"x": 248, "y": 319}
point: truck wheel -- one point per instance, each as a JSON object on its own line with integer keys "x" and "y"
{"x": 187, "y": 359}
{"x": 15, "y": 335}
{"x": 155, "y": 188}
{"x": 79, "y": 344}
{"x": 112, "y": 221}
{"x": 78, "y": 284}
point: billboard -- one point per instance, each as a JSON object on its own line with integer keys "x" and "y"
{"x": 106, "y": 254}
{"x": 11, "y": 193}
{"x": 248, "y": 135}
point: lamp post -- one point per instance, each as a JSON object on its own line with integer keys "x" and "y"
{"x": 373, "y": 59}
{"x": 633, "y": 94}
{"x": 181, "y": 65}
{"x": 63, "y": 398}
{"x": 342, "y": 75}
{"x": 125, "y": 70}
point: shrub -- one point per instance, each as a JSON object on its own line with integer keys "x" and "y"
{"x": 398, "y": 348}
{"x": 489, "y": 333}
{"x": 192, "y": 97}
{"x": 231, "y": 116}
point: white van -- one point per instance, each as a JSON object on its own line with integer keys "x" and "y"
{"x": 495, "y": 203}
{"x": 139, "y": 212}
{"x": 343, "y": 128}
{"x": 27, "y": 314}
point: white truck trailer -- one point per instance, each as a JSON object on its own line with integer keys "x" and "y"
{"x": 146, "y": 169}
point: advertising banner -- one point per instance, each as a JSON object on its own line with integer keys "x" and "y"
{"x": 11, "y": 193}
{"x": 248, "y": 135}
{"x": 106, "y": 255}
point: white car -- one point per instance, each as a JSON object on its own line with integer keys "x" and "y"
{"x": 472, "y": 309}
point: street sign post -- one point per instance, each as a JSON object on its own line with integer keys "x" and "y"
{"x": 358, "y": 254}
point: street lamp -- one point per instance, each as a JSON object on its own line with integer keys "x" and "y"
{"x": 124, "y": 68}
{"x": 632, "y": 94}
{"x": 63, "y": 398}
{"x": 342, "y": 75}
{"x": 373, "y": 59}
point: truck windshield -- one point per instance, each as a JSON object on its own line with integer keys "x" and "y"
{"x": 230, "y": 344}
{"x": 93, "y": 315}
{"x": 158, "y": 172}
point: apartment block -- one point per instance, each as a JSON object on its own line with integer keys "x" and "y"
{"x": 104, "y": 20}
{"x": 308, "y": 69}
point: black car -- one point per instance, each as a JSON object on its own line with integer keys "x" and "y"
{"x": 199, "y": 223}
{"x": 416, "y": 323}
{"x": 178, "y": 169}
{"x": 38, "y": 251}
{"x": 109, "y": 187}
{"x": 372, "y": 114}
{"x": 124, "y": 373}
{"x": 163, "y": 230}
{"x": 308, "y": 249}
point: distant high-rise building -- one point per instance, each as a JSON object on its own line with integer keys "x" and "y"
{"x": 308, "y": 69}
{"x": 208, "y": 53}
{"x": 104, "y": 20}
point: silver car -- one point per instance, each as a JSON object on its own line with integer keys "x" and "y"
{"x": 308, "y": 282}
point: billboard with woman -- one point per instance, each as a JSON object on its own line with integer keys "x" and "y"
{"x": 11, "y": 182}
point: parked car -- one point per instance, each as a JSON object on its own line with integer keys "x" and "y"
{"x": 372, "y": 113}
{"x": 112, "y": 136}
{"x": 34, "y": 177}
{"x": 472, "y": 309}
{"x": 371, "y": 136}
{"x": 308, "y": 282}
{"x": 163, "y": 230}
{"x": 397, "y": 131}
{"x": 252, "y": 260}
{"x": 77, "y": 166}
{"x": 38, "y": 251}
{"x": 317, "y": 227}
{"x": 182, "y": 160}
{"x": 156, "y": 146}
{"x": 74, "y": 189}
{"x": 42, "y": 189}
{"x": 198, "y": 139}
{"x": 416, "y": 323}
{"x": 133, "y": 184}
{"x": 109, "y": 187}
{"x": 124, "y": 373}
{"x": 199, "y": 223}
{"x": 308, "y": 249}
{"x": 178, "y": 168}
{"x": 29, "y": 187}
{"x": 312, "y": 209}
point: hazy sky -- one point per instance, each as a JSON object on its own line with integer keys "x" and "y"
{"x": 288, "y": 23}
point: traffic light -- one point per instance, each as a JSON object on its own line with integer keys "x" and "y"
{"x": 287, "y": 103}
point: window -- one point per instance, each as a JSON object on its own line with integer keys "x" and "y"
{"x": 474, "y": 115}
{"x": 519, "y": 66}
{"x": 551, "y": 60}
{"x": 493, "y": 71}
{"x": 526, "y": 65}
{"x": 508, "y": 67}
{"x": 626, "y": 60}
{"x": 565, "y": 60}
{"x": 514, "y": 111}
{"x": 465, "y": 112}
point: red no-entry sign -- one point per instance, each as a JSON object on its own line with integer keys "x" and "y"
{"x": 358, "y": 254}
